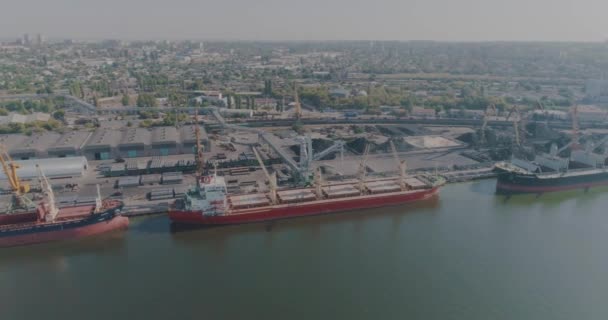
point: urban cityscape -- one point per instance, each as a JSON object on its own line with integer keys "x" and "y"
{"x": 360, "y": 179}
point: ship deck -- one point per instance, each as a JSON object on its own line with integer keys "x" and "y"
{"x": 342, "y": 191}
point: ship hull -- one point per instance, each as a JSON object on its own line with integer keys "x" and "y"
{"x": 20, "y": 217}
{"x": 286, "y": 211}
{"x": 70, "y": 229}
{"x": 514, "y": 183}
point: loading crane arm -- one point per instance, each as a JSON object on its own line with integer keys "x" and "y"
{"x": 10, "y": 170}
{"x": 272, "y": 178}
{"x": 363, "y": 169}
{"x": 401, "y": 164}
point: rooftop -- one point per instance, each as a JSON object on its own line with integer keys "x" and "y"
{"x": 161, "y": 135}
{"x": 104, "y": 138}
{"x": 188, "y": 136}
{"x": 72, "y": 139}
{"x": 37, "y": 142}
{"x": 133, "y": 136}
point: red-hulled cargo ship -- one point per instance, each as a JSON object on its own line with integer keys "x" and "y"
{"x": 52, "y": 223}
{"x": 208, "y": 203}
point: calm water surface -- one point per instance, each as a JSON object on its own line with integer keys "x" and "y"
{"x": 467, "y": 255}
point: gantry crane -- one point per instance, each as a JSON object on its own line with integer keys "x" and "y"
{"x": 401, "y": 164}
{"x": 272, "y": 178}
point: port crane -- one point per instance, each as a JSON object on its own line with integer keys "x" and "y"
{"x": 490, "y": 110}
{"x": 575, "y": 126}
{"x": 199, "y": 147}
{"x": 363, "y": 170}
{"x": 540, "y": 106}
{"x": 402, "y": 165}
{"x": 272, "y": 178}
{"x": 18, "y": 188}
{"x": 49, "y": 205}
{"x": 296, "y": 100}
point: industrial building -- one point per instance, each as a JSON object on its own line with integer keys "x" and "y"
{"x": 104, "y": 144}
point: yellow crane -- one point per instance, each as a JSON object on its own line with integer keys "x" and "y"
{"x": 20, "y": 201}
{"x": 10, "y": 170}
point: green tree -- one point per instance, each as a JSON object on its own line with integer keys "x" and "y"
{"x": 59, "y": 115}
{"x": 145, "y": 100}
{"x": 125, "y": 100}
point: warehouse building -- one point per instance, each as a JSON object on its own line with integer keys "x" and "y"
{"x": 134, "y": 143}
{"x": 102, "y": 145}
{"x": 69, "y": 144}
{"x": 34, "y": 146}
{"x": 164, "y": 141}
{"x": 188, "y": 139}
{"x": 105, "y": 144}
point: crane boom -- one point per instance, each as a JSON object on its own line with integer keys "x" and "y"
{"x": 49, "y": 205}
{"x": 575, "y": 127}
{"x": 363, "y": 169}
{"x": 272, "y": 178}
{"x": 296, "y": 99}
{"x": 491, "y": 109}
{"x": 199, "y": 147}
{"x": 10, "y": 170}
{"x": 401, "y": 165}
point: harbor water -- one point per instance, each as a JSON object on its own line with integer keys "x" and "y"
{"x": 468, "y": 254}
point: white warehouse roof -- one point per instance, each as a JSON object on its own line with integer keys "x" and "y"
{"x": 52, "y": 168}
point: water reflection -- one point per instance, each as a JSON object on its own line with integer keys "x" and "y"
{"x": 311, "y": 226}
{"x": 56, "y": 254}
{"x": 551, "y": 200}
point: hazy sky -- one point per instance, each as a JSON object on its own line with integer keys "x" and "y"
{"x": 454, "y": 20}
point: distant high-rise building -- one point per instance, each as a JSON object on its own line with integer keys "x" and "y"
{"x": 26, "y": 39}
{"x": 597, "y": 90}
{"x": 39, "y": 39}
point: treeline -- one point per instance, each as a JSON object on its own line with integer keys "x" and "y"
{"x": 29, "y": 128}
{"x": 29, "y": 106}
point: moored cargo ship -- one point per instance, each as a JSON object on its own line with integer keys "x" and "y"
{"x": 70, "y": 223}
{"x": 51, "y": 223}
{"x": 208, "y": 203}
{"x": 551, "y": 173}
